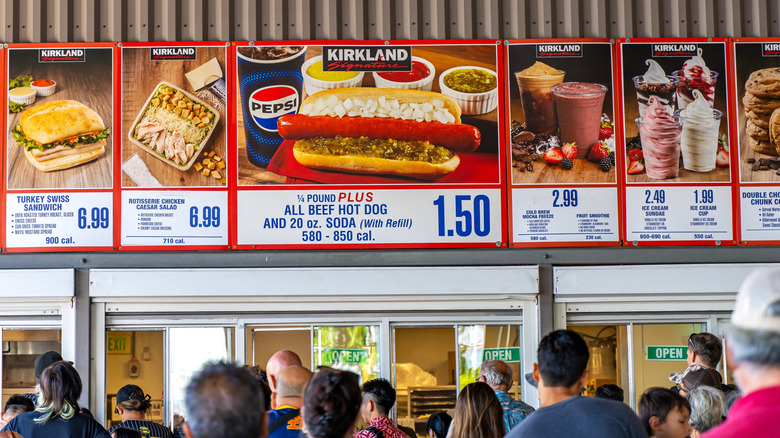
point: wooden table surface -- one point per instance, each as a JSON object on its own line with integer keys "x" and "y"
{"x": 140, "y": 78}
{"x": 442, "y": 57}
{"x": 88, "y": 83}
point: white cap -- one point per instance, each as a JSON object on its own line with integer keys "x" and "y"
{"x": 758, "y": 302}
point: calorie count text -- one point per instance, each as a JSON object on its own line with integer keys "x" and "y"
{"x": 51, "y": 208}
{"x": 568, "y": 198}
{"x": 656, "y": 209}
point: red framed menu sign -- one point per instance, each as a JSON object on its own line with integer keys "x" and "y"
{"x": 561, "y": 132}
{"x": 756, "y": 85}
{"x": 59, "y": 155}
{"x": 678, "y": 168}
{"x": 370, "y": 144}
{"x": 175, "y": 136}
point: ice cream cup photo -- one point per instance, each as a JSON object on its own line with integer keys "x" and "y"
{"x": 22, "y": 95}
{"x": 420, "y": 78}
{"x": 699, "y": 139}
{"x": 475, "y": 89}
{"x": 44, "y": 87}
{"x": 686, "y": 85}
{"x": 665, "y": 92}
{"x": 316, "y": 79}
{"x": 579, "y": 108}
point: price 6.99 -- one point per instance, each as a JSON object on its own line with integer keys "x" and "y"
{"x": 205, "y": 217}
{"x": 471, "y": 216}
{"x": 98, "y": 218}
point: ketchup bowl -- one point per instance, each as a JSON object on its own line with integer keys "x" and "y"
{"x": 316, "y": 79}
{"x": 44, "y": 87}
{"x": 420, "y": 78}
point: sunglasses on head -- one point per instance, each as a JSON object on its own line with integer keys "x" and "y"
{"x": 692, "y": 344}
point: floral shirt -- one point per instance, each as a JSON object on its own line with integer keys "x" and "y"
{"x": 385, "y": 425}
{"x": 514, "y": 411}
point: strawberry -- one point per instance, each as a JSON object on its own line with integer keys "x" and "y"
{"x": 722, "y": 159}
{"x": 553, "y": 156}
{"x": 636, "y": 167}
{"x": 598, "y": 151}
{"x": 605, "y": 130}
{"x": 635, "y": 155}
{"x": 569, "y": 150}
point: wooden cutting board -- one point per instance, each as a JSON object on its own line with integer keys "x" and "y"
{"x": 88, "y": 82}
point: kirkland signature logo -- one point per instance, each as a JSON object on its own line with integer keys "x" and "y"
{"x": 559, "y": 51}
{"x": 770, "y": 49}
{"x": 367, "y": 58}
{"x": 61, "y": 55}
{"x": 172, "y": 53}
{"x": 686, "y": 50}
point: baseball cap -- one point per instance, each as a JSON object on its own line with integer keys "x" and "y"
{"x": 529, "y": 377}
{"x": 678, "y": 377}
{"x": 758, "y": 302}
{"x": 43, "y": 361}
{"x": 701, "y": 377}
{"x": 130, "y": 392}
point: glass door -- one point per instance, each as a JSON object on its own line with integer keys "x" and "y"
{"x": 20, "y": 349}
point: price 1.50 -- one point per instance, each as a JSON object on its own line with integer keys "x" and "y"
{"x": 205, "y": 217}
{"x": 98, "y": 218}
{"x": 471, "y": 216}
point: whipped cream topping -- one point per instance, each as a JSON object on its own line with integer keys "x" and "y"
{"x": 660, "y": 135}
{"x": 696, "y": 68}
{"x": 699, "y": 140}
{"x": 655, "y": 74}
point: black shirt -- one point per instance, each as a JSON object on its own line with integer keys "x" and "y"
{"x": 148, "y": 429}
{"x": 79, "y": 426}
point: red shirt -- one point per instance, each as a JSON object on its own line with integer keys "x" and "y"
{"x": 754, "y": 415}
{"x": 385, "y": 425}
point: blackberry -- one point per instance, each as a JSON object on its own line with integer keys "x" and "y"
{"x": 567, "y": 163}
{"x": 605, "y": 164}
{"x": 612, "y": 158}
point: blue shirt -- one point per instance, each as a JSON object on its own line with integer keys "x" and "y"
{"x": 514, "y": 411}
{"x": 292, "y": 429}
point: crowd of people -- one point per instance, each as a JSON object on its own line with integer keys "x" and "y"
{"x": 289, "y": 401}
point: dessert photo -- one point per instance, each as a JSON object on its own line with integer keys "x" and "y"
{"x": 59, "y": 126}
{"x": 757, "y": 85}
{"x": 173, "y": 113}
{"x": 434, "y": 120}
{"x": 675, "y": 112}
{"x": 561, "y": 113}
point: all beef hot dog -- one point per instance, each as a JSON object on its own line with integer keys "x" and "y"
{"x": 408, "y": 133}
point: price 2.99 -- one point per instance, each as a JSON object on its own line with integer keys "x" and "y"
{"x": 98, "y": 218}
{"x": 471, "y": 216}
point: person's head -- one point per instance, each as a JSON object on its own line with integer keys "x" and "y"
{"x": 610, "y": 392}
{"x": 331, "y": 403}
{"x": 708, "y": 405}
{"x": 43, "y": 361}
{"x": 704, "y": 349}
{"x": 699, "y": 377}
{"x": 497, "y": 374}
{"x": 732, "y": 395}
{"x": 378, "y": 399}
{"x": 754, "y": 334}
{"x": 15, "y": 405}
{"x": 60, "y": 392}
{"x": 262, "y": 380}
{"x": 223, "y": 400}
{"x": 133, "y": 403}
{"x": 279, "y": 361}
{"x": 291, "y": 385}
{"x": 124, "y": 432}
{"x": 563, "y": 361}
{"x": 664, "y": 413}
{"x": 438, "y": 424}
{"x": 478, "y": 413}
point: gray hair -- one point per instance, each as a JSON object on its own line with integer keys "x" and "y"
{"x": 496, "y": 373}
{"x": 707, "y": 407}
{"x": 760, "y": 347}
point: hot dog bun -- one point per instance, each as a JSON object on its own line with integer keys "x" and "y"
{"x": 373, "y": 165}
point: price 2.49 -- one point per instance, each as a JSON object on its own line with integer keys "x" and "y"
{"x": 205, "y": 217}
{"x": 98, "y": 218}
{"x": 471, "y": 216}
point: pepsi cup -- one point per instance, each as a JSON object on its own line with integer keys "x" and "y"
{"x": 271, "y": 85}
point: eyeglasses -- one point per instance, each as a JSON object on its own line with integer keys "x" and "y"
{"x": 692, "y": 345}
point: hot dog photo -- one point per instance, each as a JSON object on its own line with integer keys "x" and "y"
{"x": 59, "y": 118}
{"x": 367, "y": 114}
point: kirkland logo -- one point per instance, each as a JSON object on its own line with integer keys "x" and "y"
{"x": 367, "y": 58}
{"x": 559, "y": 51}
{"x": 770, "y": 50}
{"x": 686, "y": 50}
{"x": 172, "y": 53}
{"x": 61, "y": 55}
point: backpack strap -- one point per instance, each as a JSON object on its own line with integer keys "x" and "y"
{"x": 377, "y": 433}
{"x": 283, "y": 419}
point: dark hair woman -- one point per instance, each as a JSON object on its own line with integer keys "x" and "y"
{"x": 438, "y": 424}
{"x": 332, "y": 404}
{"x": 478, "y": 413}
{"x": 134, "y": 406}
{"x": 58, "y": 413}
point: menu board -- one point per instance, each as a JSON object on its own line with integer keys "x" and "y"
{"x": 757, "y": 123}
{"x": 174, "y": 155}
{"x": 369, "y": 144}
{"x": 59, "y": 147}
{"x": 676, "y": 141}
{"x": 562, "y": 155}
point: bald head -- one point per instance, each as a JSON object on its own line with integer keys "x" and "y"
{"x": 292, "y": 382}
{"x": 279, "y": 361}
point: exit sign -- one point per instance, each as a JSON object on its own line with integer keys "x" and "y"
{"x": 667, "y": 352}
{"x": 511, "y": 354}
{"x": 117, "y": 343}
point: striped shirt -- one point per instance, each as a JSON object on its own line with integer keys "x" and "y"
{"x": 148, "y": 429}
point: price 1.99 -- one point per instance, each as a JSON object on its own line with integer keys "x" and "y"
{"x": 98, "y": 218}
{"x": 471, "y": 216}
{"x": 205, "y": 217}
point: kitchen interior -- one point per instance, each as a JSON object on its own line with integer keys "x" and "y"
{"x": 20, "y": 349}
